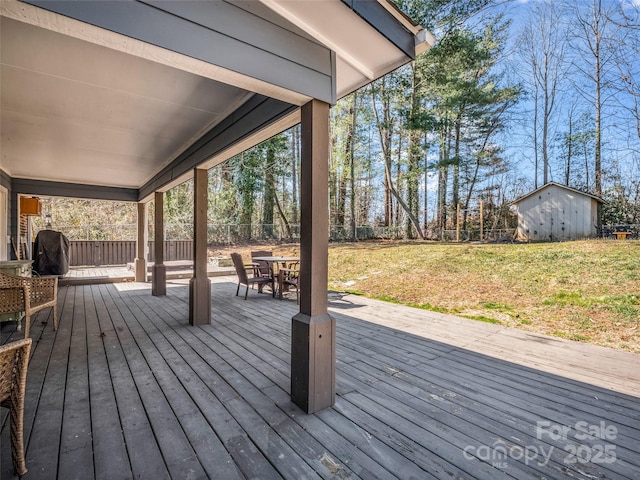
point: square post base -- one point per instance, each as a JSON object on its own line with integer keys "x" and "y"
{"x": 158, "y": 280}
{"x": 140, "y": 267}
{"x": 313, "y": 365}
{"x": 199, "y": 301}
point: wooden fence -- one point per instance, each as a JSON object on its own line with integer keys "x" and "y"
{"x": 97, "y": 253}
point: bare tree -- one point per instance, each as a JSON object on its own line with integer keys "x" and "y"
{"x": 384, "y": 125}
{"x": 627, "y": 62}
{"x": 295, "y": 161}
{"x": 543, "y": 46}
{"x": 594, "y": 46}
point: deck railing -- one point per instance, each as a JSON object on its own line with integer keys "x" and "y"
{"x": 122, "y": 252}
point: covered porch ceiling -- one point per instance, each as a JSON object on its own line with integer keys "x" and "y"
{"x": 133, "y": 95}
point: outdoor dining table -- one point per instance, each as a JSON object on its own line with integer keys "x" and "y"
{"x": 275, "y": 262}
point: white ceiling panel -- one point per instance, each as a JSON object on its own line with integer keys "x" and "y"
{"x": 74, "y": 111}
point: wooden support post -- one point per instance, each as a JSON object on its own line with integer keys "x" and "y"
{"x": 159, "y": 270}
{"x": 142, "y": 242}
{"x": 200, "y": 285}
{"x": 313, "y": 331}
{"x": 481, "y": 220}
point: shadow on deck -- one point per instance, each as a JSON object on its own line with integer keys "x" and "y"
{"x": 127, "y": 389}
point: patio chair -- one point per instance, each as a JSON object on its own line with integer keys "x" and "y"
{"x": 14, "y": 359}
{"x": 260, "y": 267}
{"x": 41, "y": 293}
{"x": 243, "y": 278}
{"x": 289, "y": 277}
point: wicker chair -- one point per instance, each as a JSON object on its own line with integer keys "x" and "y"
{"x": 42, "y": 292}
{"x": 14, "y": 359}
{"x": 243, "y": 278}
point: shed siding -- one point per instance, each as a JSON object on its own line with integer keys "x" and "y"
{"x": 556, "y": 214}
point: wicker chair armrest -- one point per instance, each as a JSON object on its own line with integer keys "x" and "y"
{"x": 13, "y": 299}
{"x": 7, "y": 280}
{"x": 14, "y": 359}
{"x": 44, "y": 284}
{"x": 43, "y": 291}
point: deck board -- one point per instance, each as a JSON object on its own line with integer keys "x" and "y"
{"x": 111, "y": 459}
{"x": 150, "y": 375}
{"x": 144, "y": 456}
{"x": 127, "y": 389}
{"x": 76, "y": 446}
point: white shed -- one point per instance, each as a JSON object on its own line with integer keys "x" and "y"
{"x": 556, "y": 212}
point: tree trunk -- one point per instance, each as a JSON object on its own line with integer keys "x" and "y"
{"x": 295, "y": 144}
{"x": 283, "y": 217}
{"x": 384, "y": 132}
{"x": 535, "y": 138}
{"x": 413, "y": 167}
{"x": 455, "y": 193}
{"x": 426, "y": 183}
{"x": 398, "y": 182}
{"x": 567, "y": 176}
{"x": 385, "y": 142}
{"x": 352, "y": 169}
{"x": 246, "y": 210}
{"x": 443, "y": 173}
{"x": 414, "y": 219}
{"x": 598, "y": 132}
{"x": 268, "y": 200}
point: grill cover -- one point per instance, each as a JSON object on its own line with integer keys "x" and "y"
{"x": 51, "y": 253}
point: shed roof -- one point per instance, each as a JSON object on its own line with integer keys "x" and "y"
{"x": 564, "y": 187}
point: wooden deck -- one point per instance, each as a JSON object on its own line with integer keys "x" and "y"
{"x": 126, "y": 389}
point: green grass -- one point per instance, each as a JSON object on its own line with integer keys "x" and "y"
{"x": 586, "y": 290}
{"x": 481, "y": 318}
{"x": 571, "y": 298}
{"x": 423, "y": 306}
{"x": 626, "y": 306}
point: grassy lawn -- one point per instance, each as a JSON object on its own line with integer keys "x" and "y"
{"x": 587, "y": 291}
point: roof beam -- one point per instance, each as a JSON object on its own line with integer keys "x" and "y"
{"x": 25, "y": 186}
{"x": 267, "y": 59}
{"x": 343, "y": 53}
{"x": 248, "y": 121}
{"x": 384, "y": 22}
